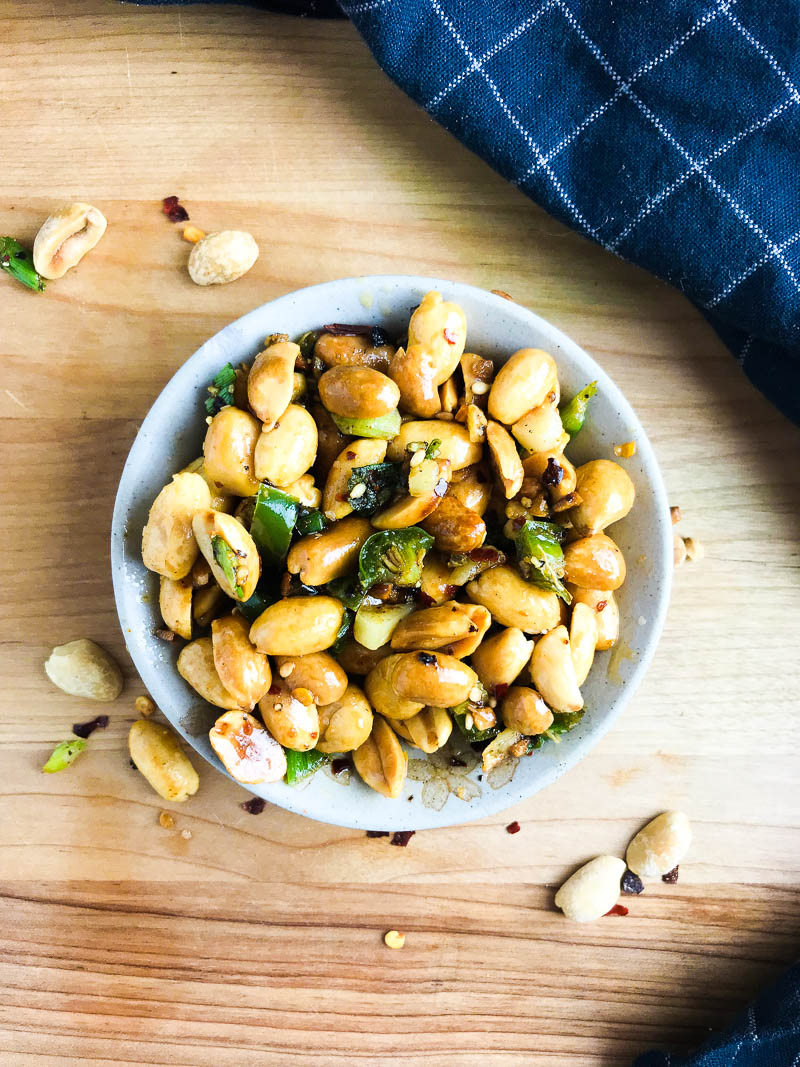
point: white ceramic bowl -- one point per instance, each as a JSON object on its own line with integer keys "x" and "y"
{"x": 172, "y": 435}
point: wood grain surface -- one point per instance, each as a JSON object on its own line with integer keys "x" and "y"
{"x": 258, "y": 939}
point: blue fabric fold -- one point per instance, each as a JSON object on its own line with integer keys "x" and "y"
{"x": 667, "y": 131}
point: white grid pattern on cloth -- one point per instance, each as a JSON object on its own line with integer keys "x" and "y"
{"x": 668, "y": 190}
{"x": 695, "y": 165}
{"x": 737, "y": 281}
{"x": 477, "y": 64}
{"x": 745, "y": 349}
{"x": 522, "y": 130}
{"x": 765, "y": 53}
{"x": 370, "y": 5}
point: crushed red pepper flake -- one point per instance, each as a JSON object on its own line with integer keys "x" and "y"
{"x": 253, "y": 806}
{"x": 174, "y": 209}
{"x": 632, "y": 883}
{"x": 85, "y": 729}
{"x": 377, "y": 833}
{"x": 513, "y": 827}
{"x": 451, "y": 336}
{"x": 402, "y": 837}
{"x": 618, "y": 909}
{"x": 671, "y": 877}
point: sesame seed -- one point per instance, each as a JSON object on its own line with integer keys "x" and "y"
{"x": 475, "y": 695}
{"x": 479, "y": 388}
{"x": 286, "y": 669}
{"x": 417, "y": 458}
{"x": 358, "y": 490}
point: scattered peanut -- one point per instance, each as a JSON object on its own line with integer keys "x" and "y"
{"x": 186, "y": 835}
{"x": 193, "y": 234}
{"x": 166, "y": 820}
{"x": 84, "y": 669}
{"x": 592, "y": 890}
{"x": 394, "y": 939}
{"x": 222, "y": 257}
{"x": 661, "y": 845}
{"x": 678, "y": 550}
{"x": 65, "y": 238}
{"x": 145, "y": 706}
{"x": 157, "y": 753}
{"x": 694, "y": 549}
{"x": 675, "y": 514}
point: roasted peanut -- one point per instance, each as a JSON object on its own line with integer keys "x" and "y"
{"x": 345, "y": 723}
{"x": 220, "y": 500}
{"x": 319, "y": 558}
{"x": 358, "y": 392}
{"x": 207, "y": 603}
{"x": 455, "y": 443}
{"x": 476, "y": 424}
{"x": 435, "y": 627}
{"x": 481, "y": 620}
{"x": 330, "y": 441}
{"x": 439, "y": 327}
{"x": 436, "y": 584}
{"x": 660, "y": 846}
{"x": 318, "y": 672}
{"x": 454, "y": 527}
{"x": 242, "y": 669}
{"x": 246, "y": 750}
{"x": 336, "y": 350}
{"x": 305, "y": 492}
{"x": 359, "y": 453}
{"x": 499, "y": 749}
{"x": 175, "y": 604}
{"x": 606, "y": 493}
{"x": 285, "y": 452}
{"x": 222, "y": 257}
{"x": 158, "y": 755}
{"x": 448, "y": 395}
{"x": 432, "y": 678}
{"x": 292, "y": 722}
{"x": 540, "y": 430}
{"x": 84, "y": 669}
{"x": 407, "y": 511}
{"x": 196, "y": 666}
{"x": 505, "y": 458}
{"x": 221, "y": 537}
{"x": 582, "y": 640}
{"x": 168, "y": 543}
{"x": 524, "y": 711}
{"x": 355, "y": 659}
{"x": 473, "y": 490}
{"x": 605, "y": 611}
{"x": 270, "y": 383}
{"x": 428, "y": 730}
{"x": 298, "y": 626}
{"x": 553, "y": 672}
{"x": 592, "y": 890}
{"x": 414, "y": 371}
{"x": 501, "y": 659}
{"x": 548, "y": 471}
{"x": 65, "y": 237}
{"x": 522, "y": 384}
{"x": 384, "y": 697}
{"x": 594, "y": 562}
{"x": 477, "y": 373}
{"x": 229, "y": 451}
{"x": 381, "y": 761}
{"x": 515, "y": 602}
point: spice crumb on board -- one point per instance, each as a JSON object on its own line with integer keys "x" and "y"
{"x": 174, "y": 209}
{"x": 377, "y": 833}
{"x": 394, "y": 939}
{"x": 632, "y": 883}
{"x": 671, "y": 877}
{"x": 402, "y": 837}
{"x": 513, "y": 827}
{"x": 85, "y": 729}
{"x": 166, "y": 820}
{"x": 253, "y": 806}
{"x": 186, "y": 835}
{"x": 618, "y": 909}
{"x": 144, "y": 705}
{"x": 626, "y": 450}
{"x": 675, "y": 514}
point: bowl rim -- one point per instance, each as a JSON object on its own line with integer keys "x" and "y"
{"x": 491, "y": 802}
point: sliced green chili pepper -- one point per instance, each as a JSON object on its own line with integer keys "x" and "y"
{"x": 274, "y": 517}
{"x": 306, "y": 342}
{"x": 64, "y": 754}
{"x": 384, "y": 426}
{"x": 380, "y": 480}
{"x": 18, "y": 262}
{"x": 573, "y": 412}
{"x": 432, "y": 451}
{"x": 348, "y": 591}
{"x": 300, "y": 765}
{"x": 258, "y": 602}
{"x": 467, "y": 707}
{"x": 310, "y": 520}
{"x": 393, "y": 556}
{"x": 563, "y": 722}
{"x": 226, "y": 558}
{"x": 541, "y": 558}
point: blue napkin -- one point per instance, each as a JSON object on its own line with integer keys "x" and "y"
{"x": 668, "y": 132}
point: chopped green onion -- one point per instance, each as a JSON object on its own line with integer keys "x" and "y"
{"x": 432, "y": 451}
{"x": 310, "y": 520}
{"x": 563, "y": 722}
{"x": 300, "y": 765}
{"x": 221, "y": 390}
{"x": 64, "y": 754}
{"x": 573, "y": 412}
{"x": 18, "y": 262}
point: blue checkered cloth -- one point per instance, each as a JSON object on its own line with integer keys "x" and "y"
{"x": 668, "y": 131}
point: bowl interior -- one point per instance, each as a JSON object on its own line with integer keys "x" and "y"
{"x": 172, "y": 435}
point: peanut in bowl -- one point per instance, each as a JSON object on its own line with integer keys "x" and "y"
{"x": 401, "y": 555}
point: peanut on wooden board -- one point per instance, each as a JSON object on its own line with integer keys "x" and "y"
{"x": 158, "y": 755}
{"x": 65, "y": 237}
{"x": 84, "y": 669}
{"x": 222, "y": 257}
{"x": 592, "y": 890}
{"x": 661, "y": 845}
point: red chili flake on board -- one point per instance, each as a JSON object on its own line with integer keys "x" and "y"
{"x": 513, "y": 827}
{"x": 671, "y": 877}
{"x": 618, "y": 909}
{"x": 601, "y": 605}
{"x": 450, "y": 335}
{"x": 174, "y": 210}
{"x": 402, "y": 837}
{"x": 632, "y": 883}
{"x": 85, "y": 729}
{"x": 253, "y": 806}
{"x": 377, "y": 833}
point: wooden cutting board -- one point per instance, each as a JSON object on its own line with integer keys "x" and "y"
{"x": 258, "y": 940}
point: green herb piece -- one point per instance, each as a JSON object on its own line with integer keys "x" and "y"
{"x": 348, "y": 591}
{"x": 343, "y": 632}
{"x": 274, "y": 518}
{"x": 563, "y": 722}
{"x": 18, "y": 262}
{"x": 306, "y": 341}
{"x": 300, "y": 765}
{"x": 64, "y": 754}
{"x": 393, "y": 556}
{"x": 432, "y": 451}
{"x": 541, "y": 558}
{"x": 226, "y": 558}
{"x": 221, "y": 390}
{"x": 309, "y": 520}
{"x": 257, "y": 603}
{"x": 573, "y": 412}
{"x": 380, "y": 479}
{"x": 383, "y": 426}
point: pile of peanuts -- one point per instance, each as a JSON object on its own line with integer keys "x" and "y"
{"x": 394, "y": 618}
